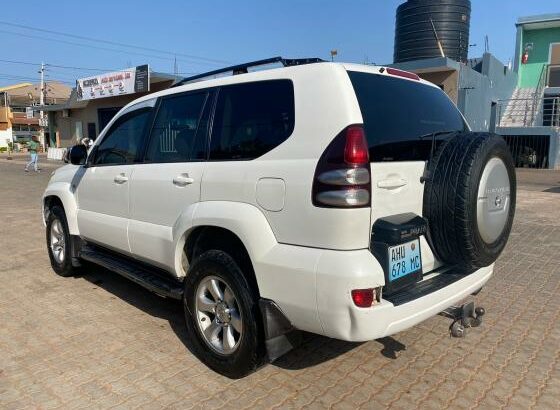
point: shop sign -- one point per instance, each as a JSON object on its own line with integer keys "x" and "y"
{"x": 129, "y": 81}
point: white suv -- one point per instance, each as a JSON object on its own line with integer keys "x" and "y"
{"x": 346, "y": 200}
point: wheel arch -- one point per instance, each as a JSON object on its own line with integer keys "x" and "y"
{"x": 204, "y": 238}
{"x": 59, "y": 194}
{"x": 239, "y": 228}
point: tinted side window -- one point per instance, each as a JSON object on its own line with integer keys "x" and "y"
{"x": 123, "y": 140}
{"x": 398, "y": 112}
{"x": 178, "y": 134}
{"x": 252, "y": 119}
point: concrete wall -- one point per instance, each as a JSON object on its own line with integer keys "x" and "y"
{"x": 478, "y": 90}
{"x": 529, "y": 73}
{"x": 447, "y": 80}
{"x": 5, "y": 137}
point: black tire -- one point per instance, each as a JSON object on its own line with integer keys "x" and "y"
{"x": 451, "y": 195}
{"x": 250, "y": 352}
{"x": 63, "y": 268}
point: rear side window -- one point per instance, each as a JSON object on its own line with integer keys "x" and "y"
{"x": 398, "y": 112}
{"x": 252, "y": 119}
{"x": 177, "y": 134}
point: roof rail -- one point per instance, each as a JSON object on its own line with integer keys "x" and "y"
{"x": 244, "y": 68}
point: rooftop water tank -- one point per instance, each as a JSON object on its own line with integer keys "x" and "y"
{"x": 414, "y": 34}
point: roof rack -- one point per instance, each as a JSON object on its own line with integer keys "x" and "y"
{"x": 244, "y": 68}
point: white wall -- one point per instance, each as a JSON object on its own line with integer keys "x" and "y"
{"x": 5, "y": 137}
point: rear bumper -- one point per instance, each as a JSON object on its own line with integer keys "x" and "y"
{"x": 313, "y": 288}
{"x": 341, "y": 319}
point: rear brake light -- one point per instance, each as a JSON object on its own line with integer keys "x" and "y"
{"x": 342, "y": 177}
{"x": 401, "y": 73}
{"x": 356, "y": 149}
{"x": 363, "y": 297}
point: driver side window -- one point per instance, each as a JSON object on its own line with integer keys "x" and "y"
{"x": 123, "y": 140}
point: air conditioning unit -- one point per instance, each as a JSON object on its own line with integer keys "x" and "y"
{"x": 65, "y": 113}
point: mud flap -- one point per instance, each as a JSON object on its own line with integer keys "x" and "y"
{"x": 280, "y": 335}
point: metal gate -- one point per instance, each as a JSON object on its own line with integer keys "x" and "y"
{"x": 529, "y": 151}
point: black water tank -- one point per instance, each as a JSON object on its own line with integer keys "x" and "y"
{"x": 414, "y": 35}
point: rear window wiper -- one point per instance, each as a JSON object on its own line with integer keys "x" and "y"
{"x": 432, "y": 135}
{"x": 436, "y": 134}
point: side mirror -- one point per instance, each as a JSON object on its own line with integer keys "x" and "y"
{"x": 77, "y": 154}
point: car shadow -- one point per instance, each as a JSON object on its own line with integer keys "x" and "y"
{"x": 311, "y": 351}
{"x": 135, "y": 295}
{"x": 554, "y": 190}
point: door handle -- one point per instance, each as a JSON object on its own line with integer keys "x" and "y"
{"x": 120, "y": 179}
{"x": 392, "y": 183}
{"x": 182, "y": 180}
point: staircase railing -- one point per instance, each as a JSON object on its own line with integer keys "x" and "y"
{"x": 515, "y": 112}
{"x": 539, "y": 93}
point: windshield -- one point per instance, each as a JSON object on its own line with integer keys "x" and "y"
{"x": 397, "y": 113}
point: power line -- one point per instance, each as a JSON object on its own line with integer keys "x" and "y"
{"x": 211, "y": 60}
{"x": 82, "y": 68}
{"x": 60, "y": 66}
{"x": 19, "y": 62}
{"x": 85, "y": 45}
{"x": 15, "y": 77}
{"x": 98, "y": 47}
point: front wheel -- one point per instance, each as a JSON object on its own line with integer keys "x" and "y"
{"x": 58, "y": 242}
{"x": 222, "y": 315}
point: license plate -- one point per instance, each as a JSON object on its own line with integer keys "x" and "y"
{"x": 404, "y": 259}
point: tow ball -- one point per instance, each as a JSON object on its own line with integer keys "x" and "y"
{"x": 464, "y": 316}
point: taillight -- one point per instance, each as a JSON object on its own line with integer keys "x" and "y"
{"x": 342, "y": 177}
{"x": 363, "y": 298}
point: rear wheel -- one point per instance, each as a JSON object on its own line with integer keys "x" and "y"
{"x": 222, "y": 315}
{"x": 58, "y": 242}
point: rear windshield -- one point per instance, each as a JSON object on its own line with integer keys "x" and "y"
{"x": 397, "y": 113}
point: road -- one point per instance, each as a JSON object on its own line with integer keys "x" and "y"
{"x": 99, "y": 341}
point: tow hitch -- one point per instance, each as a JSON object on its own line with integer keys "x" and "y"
{"x": 464, "y": 316}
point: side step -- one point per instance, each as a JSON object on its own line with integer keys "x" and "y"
{"x": 137, "y": 272}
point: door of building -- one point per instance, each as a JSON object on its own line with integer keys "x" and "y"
{"x": 105, "y": 115}
{"x": 493, "y": 117}
{"x": 554, "y": 67}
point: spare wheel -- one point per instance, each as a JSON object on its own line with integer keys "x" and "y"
{"x": 469, "y": 199}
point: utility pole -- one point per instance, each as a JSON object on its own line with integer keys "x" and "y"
{"x": 41, "y": 103}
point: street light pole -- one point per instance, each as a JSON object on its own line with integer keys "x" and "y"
{"x": 41, "y": 103}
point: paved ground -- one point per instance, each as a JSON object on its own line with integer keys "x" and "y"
{"x": 99, "y": 341}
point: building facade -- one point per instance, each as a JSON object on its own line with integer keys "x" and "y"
{"x": 530, "y": 118}
{"x": 68, "y": 123}
{"x": 538, "y": 50}
{"x": 18, "y": 120}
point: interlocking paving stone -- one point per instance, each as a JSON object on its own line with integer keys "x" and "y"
{"x": 100, "y": 341}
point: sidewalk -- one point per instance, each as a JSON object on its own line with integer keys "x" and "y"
{"x": 23, "y": 158}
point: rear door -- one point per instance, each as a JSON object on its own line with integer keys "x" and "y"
{"x": 168, "y": 181}
{"x": 399, "y": 117}
{"x": 103, "y": 191}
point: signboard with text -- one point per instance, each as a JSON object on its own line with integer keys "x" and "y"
{"x": 129, "y": 81}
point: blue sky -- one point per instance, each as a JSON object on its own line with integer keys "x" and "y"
{"x": 228, "y": 31}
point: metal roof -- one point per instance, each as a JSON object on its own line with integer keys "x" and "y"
{"x": 540, "y": 21}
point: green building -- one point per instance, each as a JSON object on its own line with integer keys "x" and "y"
{"x": 537, "y": 57}
{"x": 530, "y": 119}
